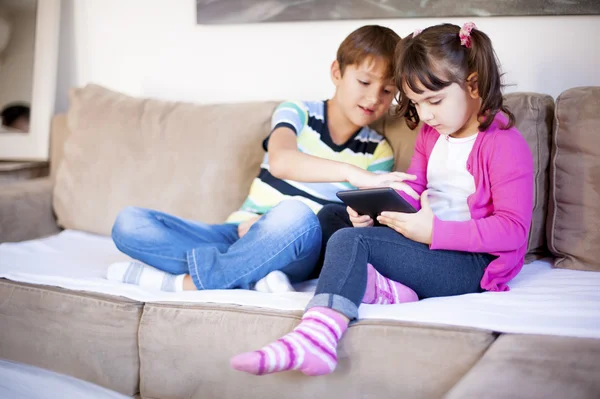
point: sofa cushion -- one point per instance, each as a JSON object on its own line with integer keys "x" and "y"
{"x": 59, "y": 133}
{"x": 533, "y": 113}
{"x": 534, "y": 366}
{"x": 195, "y": 161}
{"x": 185, "y": 351}
{"x": 26, "y": 210}
{"x": 574, "y": 214}
{"x": 92, "y": 337}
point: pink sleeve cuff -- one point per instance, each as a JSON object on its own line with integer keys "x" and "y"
{"x": 445, "y": 234}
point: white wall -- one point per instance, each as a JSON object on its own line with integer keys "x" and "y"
{"x": 154, "y": 48}
{"x": 16, "y": 73}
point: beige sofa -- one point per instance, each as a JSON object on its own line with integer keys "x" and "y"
{"x": 111, "y": 150}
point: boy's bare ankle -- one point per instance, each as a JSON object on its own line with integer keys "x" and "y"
{"x": 188, "y": 283}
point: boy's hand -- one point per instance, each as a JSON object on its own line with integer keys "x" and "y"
{"x": 246, "y": 224}
{"x": 415, "y": 226}
{"x": 359, "y": 220}
{"x": 364, "y": 179}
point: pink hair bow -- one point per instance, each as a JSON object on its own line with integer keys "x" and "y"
{"x": 465, "y": 34}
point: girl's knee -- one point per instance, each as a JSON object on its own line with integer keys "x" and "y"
{"x": 344, "y": 235}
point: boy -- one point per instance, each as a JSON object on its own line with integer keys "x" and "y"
{"x": 314, "y": 150}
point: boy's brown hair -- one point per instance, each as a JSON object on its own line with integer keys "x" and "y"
{"x": 366, "y": 42}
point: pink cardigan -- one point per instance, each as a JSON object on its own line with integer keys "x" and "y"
{"x": 501, "y": 207}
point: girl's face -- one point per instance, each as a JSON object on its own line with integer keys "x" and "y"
{"x": 452, "y": 111}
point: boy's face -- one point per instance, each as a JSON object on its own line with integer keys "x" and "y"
{"x": 364, "y": 92}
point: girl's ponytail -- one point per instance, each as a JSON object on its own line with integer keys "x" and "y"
{"x": 483, "y": 60}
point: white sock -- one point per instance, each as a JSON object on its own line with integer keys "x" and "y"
{"x": 145, "y": 276}
{"x": 274, "y": 282}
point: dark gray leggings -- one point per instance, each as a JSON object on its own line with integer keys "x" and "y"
{"x": 430, "y": 273}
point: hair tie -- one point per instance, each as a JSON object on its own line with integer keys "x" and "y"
{"x": 465, "y": 34}
{"x": 416, "y": 32}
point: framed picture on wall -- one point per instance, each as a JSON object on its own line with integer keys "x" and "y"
{"x": 256, "y": 11}
{"x": 29, "y": 42}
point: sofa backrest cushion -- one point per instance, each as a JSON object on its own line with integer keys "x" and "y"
{"x": 534, "y": 114}
{"x": 59, "y": 133}
{"x": 196, "y": 161}
{"x": 573, "y": 226}
{"x": 401, "y": 138}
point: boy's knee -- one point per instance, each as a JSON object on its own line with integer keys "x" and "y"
{"x": 127, "y": 221}
{"x": 293, "y": 211}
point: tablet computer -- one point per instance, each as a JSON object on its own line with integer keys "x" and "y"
{"x": 373, "y": 201}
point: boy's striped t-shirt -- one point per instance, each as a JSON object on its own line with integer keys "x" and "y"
{"x": 366, "y": 149}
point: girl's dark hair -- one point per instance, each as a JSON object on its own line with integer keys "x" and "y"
{"x": 435, "y": 58}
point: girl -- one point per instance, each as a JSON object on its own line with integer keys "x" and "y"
{"x": 475, "y": 177}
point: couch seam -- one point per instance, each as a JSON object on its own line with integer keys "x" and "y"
{"x": 479, "y": 360}
{"x": 551, "y": 241}
{"x": 139, "y": 347}
{"x": 536, "y": 174}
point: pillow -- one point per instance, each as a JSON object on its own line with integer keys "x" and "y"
{"x": 194, "y": 161}
{"x": 573, "y": 226}
{"x": 401, "y": 138}
{"x": 534, "y": 115}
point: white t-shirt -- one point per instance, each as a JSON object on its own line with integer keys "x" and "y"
{"x": 448, "y": 180}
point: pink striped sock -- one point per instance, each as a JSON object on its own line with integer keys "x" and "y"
{"x": 381, "y": 290}
{"x": 310, "y": 347}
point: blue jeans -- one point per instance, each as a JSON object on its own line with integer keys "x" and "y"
{"x": 287, "y": 238}
{"x": 430, "y": 273}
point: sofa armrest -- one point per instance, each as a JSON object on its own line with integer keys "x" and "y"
{"x": 26, "y": 210}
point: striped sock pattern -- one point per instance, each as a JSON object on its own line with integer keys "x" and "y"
{"x": 310, "y": 348}
{"x": 145, "y": 276}
{"x": 383, "y": 291}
